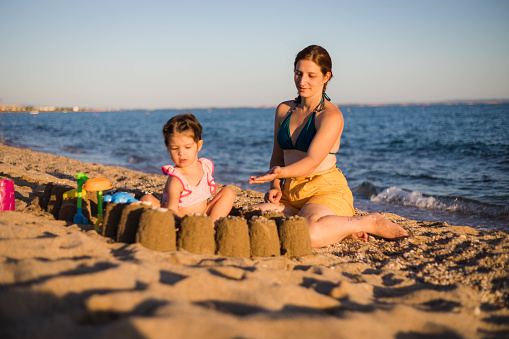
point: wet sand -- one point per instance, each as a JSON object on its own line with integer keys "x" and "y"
{"x": 63, "y": 280}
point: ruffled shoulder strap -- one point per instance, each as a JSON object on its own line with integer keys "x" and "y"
{"x": 172, "y": 171}
{"x": 208, "y": 168}
{"x": 208, "y": 165}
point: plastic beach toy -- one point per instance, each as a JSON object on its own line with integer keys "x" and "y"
{"x": 73, "y": 193}
{"x": 98, "y": 185}
{"x": 79, "y": 218}
{"x": 120, "y": 197}
{"x": 6, "y": 195}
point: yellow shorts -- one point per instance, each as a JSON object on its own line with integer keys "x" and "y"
{"x": 328, "y": 188}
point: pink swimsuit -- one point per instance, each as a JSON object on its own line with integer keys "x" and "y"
{"x": 193, "y": 194}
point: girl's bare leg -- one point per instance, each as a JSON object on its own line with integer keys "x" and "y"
{"x": 221, "y": 205}
{"x": 152, "y": 200}
{"x": 325, "y": 228}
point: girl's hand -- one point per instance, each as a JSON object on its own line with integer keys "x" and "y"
{"x": 268, "y": 176}
{"x": 359, "y": 236}
{"x": 273, "y": 196}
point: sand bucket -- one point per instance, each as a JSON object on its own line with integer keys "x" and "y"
{"x": 6, "y": 195}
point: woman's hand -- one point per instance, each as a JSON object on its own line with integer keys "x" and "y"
{"x": 273, "y": 196}
{"x": 268, "y": 176}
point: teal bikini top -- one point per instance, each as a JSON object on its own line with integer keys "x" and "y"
{"x": 284, "y": 138}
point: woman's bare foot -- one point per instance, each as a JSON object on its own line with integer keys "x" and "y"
{"x": 385, "y": 228}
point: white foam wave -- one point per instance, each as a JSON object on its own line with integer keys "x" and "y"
{"x": 395, "y": 195}
{"x": 398, "y": 196}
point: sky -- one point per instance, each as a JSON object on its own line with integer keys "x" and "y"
{"x": 155, "y": 54}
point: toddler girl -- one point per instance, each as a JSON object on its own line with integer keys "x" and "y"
{"x": 190, "y": 181}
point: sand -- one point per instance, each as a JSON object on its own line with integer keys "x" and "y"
{"x": 63, "y": 280}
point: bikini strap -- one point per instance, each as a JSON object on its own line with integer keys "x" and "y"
{"x": 321, "y": 105}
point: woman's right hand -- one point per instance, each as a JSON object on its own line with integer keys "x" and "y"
{"x": 273, "y": 196}
{"x": 268, "y": 176}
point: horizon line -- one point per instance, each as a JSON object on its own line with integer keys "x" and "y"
{"x": 401, "y": 104}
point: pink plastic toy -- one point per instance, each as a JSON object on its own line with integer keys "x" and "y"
{"x": 6, "y": 195}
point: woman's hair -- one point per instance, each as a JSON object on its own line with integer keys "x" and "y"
{"x": 319, "y": 56}
{"x": 182, "y": 123}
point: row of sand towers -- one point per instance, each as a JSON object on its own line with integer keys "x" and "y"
{"x": 248, "y": 233}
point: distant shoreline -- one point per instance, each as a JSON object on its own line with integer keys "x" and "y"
{"x": 50, "y": 109}
{"x": 438, "y": 103}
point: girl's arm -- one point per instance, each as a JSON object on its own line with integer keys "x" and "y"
{"x": 173, "y": 189}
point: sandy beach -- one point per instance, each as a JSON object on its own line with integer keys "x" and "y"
{"x": 63, "y": 280}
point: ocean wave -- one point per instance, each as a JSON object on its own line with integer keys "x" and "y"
{"x": 72, "y": 149}
{"x": 136, "y": 159}
{"x": 398, "y": 196}
{"x": 366, "y": 189}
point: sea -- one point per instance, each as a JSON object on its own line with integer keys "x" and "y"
{"x": 444, "y": 162}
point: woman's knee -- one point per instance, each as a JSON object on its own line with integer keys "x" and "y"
{"x": 313, "y": 235}
{"x": 315, "y": 232}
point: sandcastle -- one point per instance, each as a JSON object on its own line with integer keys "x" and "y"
{"x": 129, "y": 221}
{"x": 156, "y": 230}
{"x": 112, "y": 219}
{"x": 264, "y": 238}
{"x": 232, "y": 237}
{"x": 196, "y": 234}
{"x": 244, "y": 233}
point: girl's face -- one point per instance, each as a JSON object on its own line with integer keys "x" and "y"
{"x": 309, "y": 79}
{"x": 183, "y": 149}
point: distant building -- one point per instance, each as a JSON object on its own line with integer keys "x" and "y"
{"x": 12, "y": 108}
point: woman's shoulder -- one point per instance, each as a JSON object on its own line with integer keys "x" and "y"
{"x": 331, "y": 110}
{"x": 284, "y": 107}
{"x": 330, "y": 114}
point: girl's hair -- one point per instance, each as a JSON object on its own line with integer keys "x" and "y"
{"x": 182, "y": 123}
{"x": 319, "y": 56}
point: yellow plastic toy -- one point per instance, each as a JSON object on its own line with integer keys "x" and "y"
{"x": 98, "y": 185}
{"x": 73, "y": 193}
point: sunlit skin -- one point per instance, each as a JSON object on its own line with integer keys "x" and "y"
{"x": 183, "y": 150}
{"x": 325, "y": 227}
{"x": 309, "y": 82}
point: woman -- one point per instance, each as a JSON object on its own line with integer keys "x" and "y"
{"x": 307, "y": 134}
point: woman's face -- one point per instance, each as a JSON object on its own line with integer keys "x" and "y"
{"x": 309, "y": 79}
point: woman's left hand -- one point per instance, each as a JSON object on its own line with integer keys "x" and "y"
{"x": 268, "y": 176}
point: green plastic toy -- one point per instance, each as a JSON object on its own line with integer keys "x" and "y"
{"x": 79, "y": 218}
